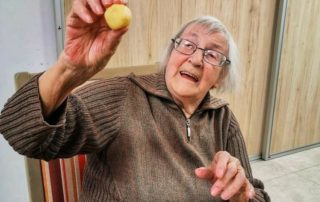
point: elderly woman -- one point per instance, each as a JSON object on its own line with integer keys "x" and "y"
{"x": 158, "y": 137}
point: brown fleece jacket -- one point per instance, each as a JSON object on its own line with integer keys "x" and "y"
{"x": 137, "y": 140}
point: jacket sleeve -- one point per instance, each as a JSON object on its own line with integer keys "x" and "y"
{"x": 86, "y": 122}
{"x": 237, "y": 148}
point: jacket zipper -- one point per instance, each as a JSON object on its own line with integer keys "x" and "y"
{"x": 188, "y": 130}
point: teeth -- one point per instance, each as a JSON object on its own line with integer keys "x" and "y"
{"x": 190, "y": 74}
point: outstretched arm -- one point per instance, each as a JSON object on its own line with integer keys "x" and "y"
{"x": 89, "y": 44}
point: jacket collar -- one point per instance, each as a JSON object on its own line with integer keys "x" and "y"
{"x": 155, "y": 85}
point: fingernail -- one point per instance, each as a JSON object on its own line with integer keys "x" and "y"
{"x": 214, "y": 191}
{"x": 99, "y": 10}
{"x": 251, "y": 195}
{"x": 88, "y": 18}
{"x": 224, "y": 196}
{"x": 198, "y": 171}
{"x": 200, "y": 168}
{"x": 106, "y": 2}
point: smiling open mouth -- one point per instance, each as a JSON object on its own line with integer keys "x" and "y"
{"x": 189, "y": 76}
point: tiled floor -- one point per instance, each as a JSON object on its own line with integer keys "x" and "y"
{"x": 291, "y": 178}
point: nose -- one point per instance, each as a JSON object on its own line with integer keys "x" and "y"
{"x": 197, "y": 58}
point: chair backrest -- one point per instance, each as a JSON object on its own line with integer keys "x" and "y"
{"x": 60, "y": 180}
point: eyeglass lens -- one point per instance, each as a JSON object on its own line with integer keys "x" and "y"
{"x": 187, "y": 47}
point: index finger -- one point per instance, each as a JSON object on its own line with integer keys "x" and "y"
{"x": 79, "y": 10}
{"x": 220, "y": 163}
{"x": 204, "y": 173}
{"x": 96, "y": 6}
{"x": 108, "y": 3}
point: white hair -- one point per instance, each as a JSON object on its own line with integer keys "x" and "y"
{"x": 229, "y": 77}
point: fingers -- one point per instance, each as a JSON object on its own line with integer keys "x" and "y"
{"x": 108, "y": 3}
{"x": 250, "y": 193}
{"x": 246, "y": 192}
{"x": 232, "y": 170}
{"x": 89, "y": 10}
{"x": 204, "y": 173}
{"x": 227, "y": 176}
{"x": 81, "y": 10}
{"x": 114, "y": 38}
{"x": 116, "y": 34}
{"x": 220, "y": 162}
{"x": 96, "y": 6}
{"x": 234, "y": 186}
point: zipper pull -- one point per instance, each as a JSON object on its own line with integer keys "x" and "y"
{"x": 188, "y": 130}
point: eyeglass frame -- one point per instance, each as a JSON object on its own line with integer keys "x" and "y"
{"x": 225, "y": 62}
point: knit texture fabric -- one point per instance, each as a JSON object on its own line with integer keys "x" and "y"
{"x": 134, "y": 135}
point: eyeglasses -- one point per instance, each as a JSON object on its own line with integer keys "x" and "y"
{"x": 210, "y": 56}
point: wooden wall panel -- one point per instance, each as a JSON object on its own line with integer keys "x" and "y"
{"x": 67, "y": 7}
{"x": 153, "y": 25}
{"x": 252, "y": 24}
{"x": 250, "y": 21}
{"x": 297, "y": 112}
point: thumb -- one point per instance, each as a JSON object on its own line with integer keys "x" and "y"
{"x": 116, "y": 34}
{"x": 113, "y": 40}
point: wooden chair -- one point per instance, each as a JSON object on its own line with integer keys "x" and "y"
{"x": 60, "y": 180}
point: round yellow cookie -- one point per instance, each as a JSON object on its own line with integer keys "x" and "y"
{"x": 118, "y": 16}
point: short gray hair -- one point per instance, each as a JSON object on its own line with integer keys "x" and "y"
{"x": 229, "y": 77}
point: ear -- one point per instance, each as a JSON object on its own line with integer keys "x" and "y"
{"x": 218, "y": 82}
{"x": 216, "y": 85}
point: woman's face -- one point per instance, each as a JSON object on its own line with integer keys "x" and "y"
{"x": 189, "y": 77}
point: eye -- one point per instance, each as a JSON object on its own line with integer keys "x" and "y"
{"x": 212, "y": 55}
{"x": 187, "y": 44}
